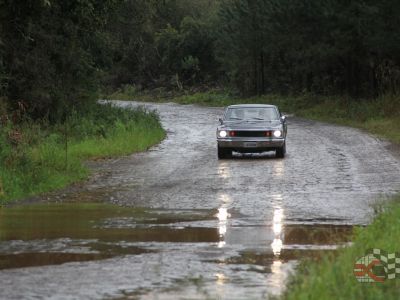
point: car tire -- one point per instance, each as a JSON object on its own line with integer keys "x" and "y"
{"x": 224, "y": 153}
{"x": 280, "y": 152}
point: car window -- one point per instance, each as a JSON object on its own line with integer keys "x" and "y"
{"x": 252, "y": 113}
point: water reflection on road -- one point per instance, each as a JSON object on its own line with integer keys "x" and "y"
{"x": 223, "y": 216}
{"x": 230, "y": 255}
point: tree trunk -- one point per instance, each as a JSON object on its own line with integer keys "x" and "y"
{"x": 262, "y": 73}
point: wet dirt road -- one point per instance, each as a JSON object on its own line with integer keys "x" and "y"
{"x": 206, "y": 229}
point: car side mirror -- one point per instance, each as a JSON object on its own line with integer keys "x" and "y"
{"x": 221, "y": 121}
{"x": 283, "y": 119}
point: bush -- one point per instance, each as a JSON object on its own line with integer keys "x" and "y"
{"x": 38, "y": 157}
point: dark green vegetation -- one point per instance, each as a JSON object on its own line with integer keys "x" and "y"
{"x": 36, "y": 157}
{"x": 51, "y": 54}
{"x": 332, "y": 277}
{"x": 324, "y": 47}
{"x": 260, "y": 46}
{"x": 57, "y": 54}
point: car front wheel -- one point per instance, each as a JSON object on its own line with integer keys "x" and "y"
{"x": 224, "y": 153}
{"x": 280, "y": 152}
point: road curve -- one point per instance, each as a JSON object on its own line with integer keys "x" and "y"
{"x": 261, "y": 209}
{"x": 331, "y": 173}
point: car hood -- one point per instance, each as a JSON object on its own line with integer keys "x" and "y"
{"x": 250, "y": 125}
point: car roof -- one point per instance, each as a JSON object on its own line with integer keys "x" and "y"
{"x": 250, "y": 105}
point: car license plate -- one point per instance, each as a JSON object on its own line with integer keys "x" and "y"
{"x": 250, "y": 145}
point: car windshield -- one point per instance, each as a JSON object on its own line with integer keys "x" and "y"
{"x": 252, "y": 113}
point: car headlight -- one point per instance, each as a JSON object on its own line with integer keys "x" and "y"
{"x": 277, "y": 133}
{"x": 222, "y": 133}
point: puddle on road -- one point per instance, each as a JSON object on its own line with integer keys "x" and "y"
{"x": 321, "y": 234}
{"x": 293, "y": 243}
{"x": 246, "y": 256}
{"x": 22, "y": 260}
{"x": 94, "y": 228}
{"x": 103, "y": 222}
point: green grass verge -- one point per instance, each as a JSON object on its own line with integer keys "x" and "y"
{"x": 332, "y": 277}
{"x": 34, "y": 158}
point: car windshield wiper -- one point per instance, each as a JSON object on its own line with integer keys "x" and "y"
{"x": 233, "y": 118}
{"x": 265, "y": 120}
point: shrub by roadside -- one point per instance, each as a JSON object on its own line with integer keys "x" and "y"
{"x": 37, "y": 157}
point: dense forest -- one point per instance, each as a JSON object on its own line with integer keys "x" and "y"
{"x": 57, "y": 54}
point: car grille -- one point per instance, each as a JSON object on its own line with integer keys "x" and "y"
{"x": 252, "y": 133}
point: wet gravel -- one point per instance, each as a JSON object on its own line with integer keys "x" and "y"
{"x": 260, "y": 211}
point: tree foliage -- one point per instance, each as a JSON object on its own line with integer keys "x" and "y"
{"x": 167, "y": 43}
{"x": 50, "y": 52}
{"x": 328, "y": 47}
{"x": 55, "y": 54}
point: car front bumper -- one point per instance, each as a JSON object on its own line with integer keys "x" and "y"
{"x": 251, "y": 144}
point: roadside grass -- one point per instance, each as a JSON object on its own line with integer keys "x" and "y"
{"x": 332, "y": 277}
{"x": 36, "y": 157}
{"x": 126, "y": 92}
{"x": 380, "y": 116}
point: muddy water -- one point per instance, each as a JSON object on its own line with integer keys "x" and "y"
{"x": 176, "y": 223}
{"x": 181, "y": 253}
